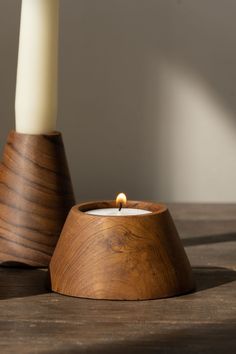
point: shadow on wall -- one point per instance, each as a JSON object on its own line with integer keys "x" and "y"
{"x": 147, "y": 98}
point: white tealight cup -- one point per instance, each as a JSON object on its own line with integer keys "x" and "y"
{"x": 117, "y": 212}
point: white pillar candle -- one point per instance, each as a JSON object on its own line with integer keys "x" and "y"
{"x": 36, "y": 88}
{"x": 117, "y": 212}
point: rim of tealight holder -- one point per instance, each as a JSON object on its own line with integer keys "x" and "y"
{"x": 154, "y": 208}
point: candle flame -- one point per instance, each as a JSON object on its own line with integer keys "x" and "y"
{"x": 121, "y": 200}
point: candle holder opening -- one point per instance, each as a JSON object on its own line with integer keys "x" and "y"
{"x": 153, "y": 208}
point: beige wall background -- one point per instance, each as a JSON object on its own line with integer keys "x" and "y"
{"x": 147, "y": 101}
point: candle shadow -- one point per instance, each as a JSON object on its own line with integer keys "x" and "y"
{"x": 22, "y": 282}
{"x": 211, "y": 277}
{"x": 209, "y": 239}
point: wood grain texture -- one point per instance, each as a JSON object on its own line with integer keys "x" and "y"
{"x": 35, "y": 197}
{"x": 120, "y": 258}
{"x": 33, "y": 320}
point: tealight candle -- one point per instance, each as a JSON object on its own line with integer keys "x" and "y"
{"x": 116, "y": 212}
{"x": 120, "y": 210}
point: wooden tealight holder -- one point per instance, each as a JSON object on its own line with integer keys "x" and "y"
{"x": 120, "y": 257}
{"x": 35, "y": 197}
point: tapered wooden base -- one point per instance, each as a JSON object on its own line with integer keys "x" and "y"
{"x": 35, "y": 197}
{"x": 120, "y": 257}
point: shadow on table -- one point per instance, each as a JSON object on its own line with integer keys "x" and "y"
{"x": 174, "y": 338}
{"x": 208, "y": 239}
{"x": 19, "y": 282}
{"x": 211, "y": 277}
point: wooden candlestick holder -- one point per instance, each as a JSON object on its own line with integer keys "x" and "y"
{"x": 120, "y": 257}
{"x": 35, "y": 197}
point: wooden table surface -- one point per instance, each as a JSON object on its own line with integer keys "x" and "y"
{"x": 33, "y": 320}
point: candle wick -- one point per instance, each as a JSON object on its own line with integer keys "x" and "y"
{"x": 120, "y": 207}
